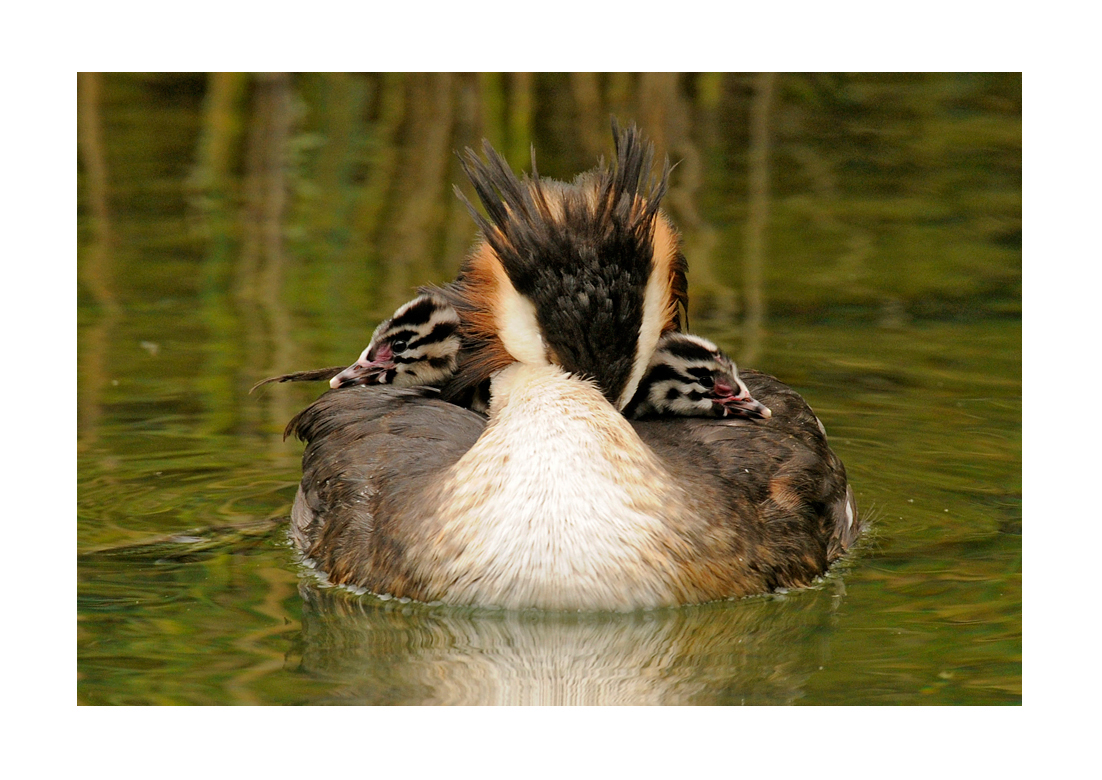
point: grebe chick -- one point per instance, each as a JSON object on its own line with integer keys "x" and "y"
{"x": 418, "y": 345}
{"x": 689, "y": 376}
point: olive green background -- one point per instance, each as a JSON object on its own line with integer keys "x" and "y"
{"x": 858, "y": 236}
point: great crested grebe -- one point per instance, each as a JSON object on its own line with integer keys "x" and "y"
{"x": 557, "y": 500}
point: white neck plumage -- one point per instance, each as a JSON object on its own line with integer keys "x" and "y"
{"x": 556, "y": 501}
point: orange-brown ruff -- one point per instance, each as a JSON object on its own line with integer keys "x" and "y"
{"x": 586, "y": 275}
{"x": 557, "y": 500}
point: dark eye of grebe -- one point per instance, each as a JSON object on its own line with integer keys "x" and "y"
{"x": 399, "y": 345}
{"x": 707, "y": 381}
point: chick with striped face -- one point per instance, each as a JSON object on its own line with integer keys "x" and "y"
{"x": 419, "y": 345}
{"x": 688, "y": 376}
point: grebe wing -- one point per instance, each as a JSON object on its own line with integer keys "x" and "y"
{"x": 776, "y": 482}
{"x": 371, "y": 453}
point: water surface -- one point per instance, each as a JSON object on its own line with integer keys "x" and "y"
{"x": 857, "y": 236}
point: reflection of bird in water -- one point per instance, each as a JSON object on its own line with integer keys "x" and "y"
{"x": 558, "y": 500}
{"x": 756, "y": 651}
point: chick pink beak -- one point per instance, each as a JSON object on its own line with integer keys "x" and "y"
{"x": 366, "y": 370}
{"x": 735, "y": 400}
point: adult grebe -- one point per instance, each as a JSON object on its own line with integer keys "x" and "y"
{"x": 557, "y": 500}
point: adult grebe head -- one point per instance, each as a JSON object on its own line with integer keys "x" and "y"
{"x": 585, "y": 276}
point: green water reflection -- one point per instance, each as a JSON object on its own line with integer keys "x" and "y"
{"x": 234, "y": 227}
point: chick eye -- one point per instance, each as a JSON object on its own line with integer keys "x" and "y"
{"x": 707, "y": 381}
{"x": 399, "y": 346}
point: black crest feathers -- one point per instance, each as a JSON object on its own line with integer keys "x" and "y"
{"x": 582, "y": 253}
